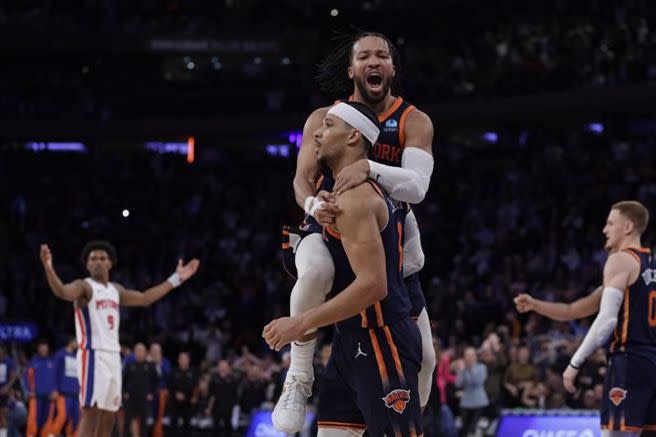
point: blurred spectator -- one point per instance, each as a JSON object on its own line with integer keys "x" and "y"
{"x": 181, "y": 389}
{"x": 471, "y": 378}
{"x": 140, "y": 383}
{"x": 42, "y": 391}
{"x": 223, "y": 398}
{"x": 519, "y": 375}
{"x": 7, "y": 379}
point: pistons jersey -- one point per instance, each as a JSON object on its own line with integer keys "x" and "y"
{"x": 97, "y": 323}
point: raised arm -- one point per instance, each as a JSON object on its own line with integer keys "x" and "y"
{"x": 360, "y": 236}
{"x": 408, "y": 183}
{"x": 72, "y": 291}
{"x": 620, "y": 271}
{"x": 153, "y": 294}
{"x": 562, "y": 312}
{"x": 307, "y": 167}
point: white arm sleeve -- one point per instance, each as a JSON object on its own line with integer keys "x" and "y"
{"x": 408, "y": 183}
{"x": 602, "y": 327}
{"x": 413, "y": 254}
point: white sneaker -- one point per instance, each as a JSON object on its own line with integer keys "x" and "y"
{"x": 289, "y": 413}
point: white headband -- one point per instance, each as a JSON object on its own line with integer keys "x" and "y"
{"x": 356, "y": 119}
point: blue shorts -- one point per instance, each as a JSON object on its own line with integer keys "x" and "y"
{"x": 370, "y": 381}
{"x": 629, "y": 401}
{"x": 417, "y": 299}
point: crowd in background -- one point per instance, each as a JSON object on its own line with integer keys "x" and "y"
{"x": 526, "y": 218}
{"x": 460, "y": 50}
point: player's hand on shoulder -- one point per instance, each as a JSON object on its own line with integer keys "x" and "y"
{"x": 46, "y": 256}
{"x": 351, "y": 176}
{"x": 325, "y": 215}
{"x": 186, "y": 271}
{"x": 524, "y": 303}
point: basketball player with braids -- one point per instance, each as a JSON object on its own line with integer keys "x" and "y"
{"x": 627, "y": 317}
{"x": 370, "y": 381}
{"x": 96, "y": 301}
{"x": 363, "y": 67}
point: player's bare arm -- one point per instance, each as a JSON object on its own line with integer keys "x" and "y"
{"x": 407, "y": 183}
{"x": 561, "y": 312}
{"x": 621, "y": 270}
{"x": 137, "y": 298}
{"x": 307, "y": 167}
{"x": 77, "y": 290}
{"x": 363, "y": 215}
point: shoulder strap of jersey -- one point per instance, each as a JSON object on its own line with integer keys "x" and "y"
{"x": 632, "y": 251}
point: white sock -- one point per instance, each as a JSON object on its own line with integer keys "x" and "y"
{"x": 302, "y": 357}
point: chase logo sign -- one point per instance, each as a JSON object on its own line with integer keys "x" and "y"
{"x": 574, "y": 425}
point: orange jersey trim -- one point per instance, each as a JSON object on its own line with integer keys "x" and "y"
{"x": 333, "y": 232}
{"x": 390, "y": 110}
{"x": 379, "y": 360}
{"x": 395, "y": 354}
{"x": 632, "y": 253}
{"x": 625, "y": 322}
{"x": 342, "y": 425}
{"x": 402, "y": 120}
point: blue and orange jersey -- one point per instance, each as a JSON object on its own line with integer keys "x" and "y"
{"x": 7, "y": 366}
{"x": 391, "y": 140}
{"x": 41, "y": 376}
{"x": 66, "y": 370}
{"x": 389, "y": 146}
{"x": 397, "y": 304}
{"x": 636, "y": 324}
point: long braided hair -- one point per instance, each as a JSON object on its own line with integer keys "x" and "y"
{"x": 332, "y": 75}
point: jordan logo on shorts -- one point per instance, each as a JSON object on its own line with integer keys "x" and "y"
{"x": 397, "y": 400}
{"x": 617, "y": 395}
{"x": 359, "y": 352}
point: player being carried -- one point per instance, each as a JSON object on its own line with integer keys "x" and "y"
{"x": 363, "y": 66}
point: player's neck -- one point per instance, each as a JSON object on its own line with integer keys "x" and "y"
{"x": 379, "y": 107}
{"x": 630, "y": 242}
{"x": 102, "y": 280}
{"x": 338, "y": 166}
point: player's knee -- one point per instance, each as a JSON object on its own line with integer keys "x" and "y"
{"x": 320, "y": 278}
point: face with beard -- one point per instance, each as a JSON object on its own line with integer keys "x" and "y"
{"x": 372, "y": 68}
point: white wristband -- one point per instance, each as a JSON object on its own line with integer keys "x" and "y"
{"x": 174, "y": 280}
{"x": 308, "y": 204}
{"x": 312, "y": 204}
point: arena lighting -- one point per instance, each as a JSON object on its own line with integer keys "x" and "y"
{"x": 296, "y": 138}
{"x": 490, "y": 137}
{"x": 277, "y": 150}
{"x": 37, "y": 146}
{"x": 168, "y": 147}
{"x": 596, "y": 128}
{"x": 125, "y": 213}
{"x": 191, "y": 150}
{"x": 334, "y": 12}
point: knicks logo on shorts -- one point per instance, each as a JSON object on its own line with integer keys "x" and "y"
{"x": 617, "y": 395}
{"x": 397, "y": 400}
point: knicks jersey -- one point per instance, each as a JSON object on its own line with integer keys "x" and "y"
{"x": 396, "y": 304}
{"x": 636, "y": 325}
{"x": 96, "y": 324}
{"x": 388, "y": 148}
